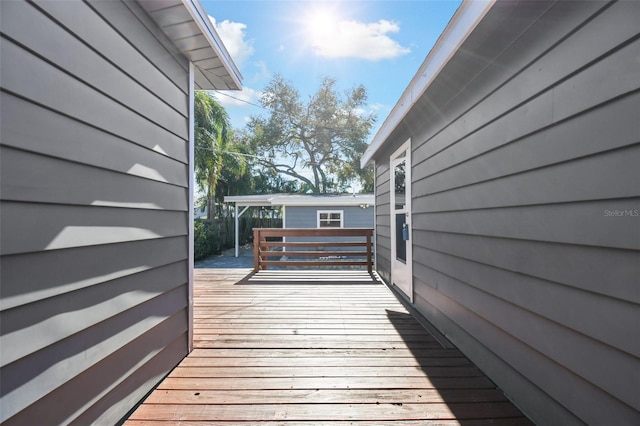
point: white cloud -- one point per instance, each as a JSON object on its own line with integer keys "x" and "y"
{"x": 353, "y": 39}
{"x": 237, "y": 98}
{"x": 378, "y": 107}
{"x": 262, "y": 72}
{"x": 233, "y": 37}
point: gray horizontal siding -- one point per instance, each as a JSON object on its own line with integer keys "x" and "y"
{"x": 125, "y": 18}
{"x": 525, "y": 209}
{"x": 383, "y": 212}
{"x": 549, "y": 146}
{"x": 50, "y": 180}
{"x": 31, "y": 227}
{"x": 33, "y": 78}
{"x": 122, "y": 40}
{"x": 560, "y": 223}
{"x": 513, "y": 87}
{"x": 591, "y": 266}
{"x": 89, "y": 145}
{"x": 27, "y": 380}
{"x": 49, "y": 279}
{"x": 80, "y": 396}
{"x": 307, "y": 217}
{"x": 55, "y": 318}
{"x": 61, "y": 48}
{"x": 94, "y": 211}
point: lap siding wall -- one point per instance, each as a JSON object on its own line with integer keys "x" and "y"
{"x": 94, "y": 210}
{"x": 526, "y": 232}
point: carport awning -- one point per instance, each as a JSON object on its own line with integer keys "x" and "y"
{"x": 250, "y": 200}
{"x": 273, "y": 200}
{"x": 301, "y": 200}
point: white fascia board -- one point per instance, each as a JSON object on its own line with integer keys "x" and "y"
{"x": 347, "y": 200}
{"x": 299, "y": 200}
{"x": 248, "y": 201}
{"x": 201, "y": 18}
{"x": 462, "y": 24}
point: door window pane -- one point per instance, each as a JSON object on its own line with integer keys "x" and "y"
{"x": 400, "y": 185}
{"x": 401, "y": 244}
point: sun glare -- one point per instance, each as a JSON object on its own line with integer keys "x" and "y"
{"x": 321, "y": 24}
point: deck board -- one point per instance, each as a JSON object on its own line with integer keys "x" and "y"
{"x": 295, "y": 347}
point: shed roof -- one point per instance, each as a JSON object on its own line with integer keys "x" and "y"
{"x": 301, "y": 200}
{"x": 188, "y": 27}
{"x": 464, "y": 21}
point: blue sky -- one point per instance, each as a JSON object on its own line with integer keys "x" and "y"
{"x": 379, "y": 44}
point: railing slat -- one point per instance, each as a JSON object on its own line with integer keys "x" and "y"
{"x": 313, "y": 244}
{"x": 271, "y": 253}
{"x": 313, "y": 263}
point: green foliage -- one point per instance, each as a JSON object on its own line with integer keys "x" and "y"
{"x": 318, "y": 143}
{"x": 217, "y": 158}
{"x": 206, "y": 239}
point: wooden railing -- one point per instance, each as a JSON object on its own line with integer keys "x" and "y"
{"x": 324, "y": 251}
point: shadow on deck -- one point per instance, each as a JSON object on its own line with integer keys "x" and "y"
{"x": 317, "y": 347}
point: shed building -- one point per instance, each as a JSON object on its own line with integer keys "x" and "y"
{"x": 312, "y": 211}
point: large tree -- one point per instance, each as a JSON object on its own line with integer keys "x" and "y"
{"x": 215, "y": 150}
{"x": 318, "y": 142}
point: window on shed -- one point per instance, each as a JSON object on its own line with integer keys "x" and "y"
{"x": 330, "y": 219}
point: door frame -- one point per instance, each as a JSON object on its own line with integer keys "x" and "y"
{"x": 399, "y": 270}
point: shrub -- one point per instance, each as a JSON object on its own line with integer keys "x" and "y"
{"x": 206, "y": 239}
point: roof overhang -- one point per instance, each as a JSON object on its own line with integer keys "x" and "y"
{"x": 462, "y": 24}
{"x": 188, "y": 27}
{"x": 301, "y": 200}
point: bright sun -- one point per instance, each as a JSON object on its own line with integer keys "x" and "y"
{"x": 321, "y": 24}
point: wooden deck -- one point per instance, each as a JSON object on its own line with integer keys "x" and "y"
{"x": 303, "y": 348}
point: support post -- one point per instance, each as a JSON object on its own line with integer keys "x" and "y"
{"x": 256, "y": 249}
{"x": 369, "y": 263}
{"x": 236, "y": 229}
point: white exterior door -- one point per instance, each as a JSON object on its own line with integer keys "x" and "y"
{"x": 401, "y": 260}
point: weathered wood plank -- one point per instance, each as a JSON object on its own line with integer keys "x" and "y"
{"x": 336, "y": 372}
{"x": 471, "y": 422}
{"x": 302, "y": 338}
{"x": 326, "y": 412}
{"x": 507, "y": 421}
{"x": 326, "y": 361}
{"x": 313, "y": 331}
{"x": 314, "y": 353}
{"x": 277, "y": 383}
{"x": 303, "y": 344}
{"x": 324, "y": 396}
{"x": 400, "y": 352}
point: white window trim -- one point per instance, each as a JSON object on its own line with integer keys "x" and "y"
{"x": 330, "y": 212}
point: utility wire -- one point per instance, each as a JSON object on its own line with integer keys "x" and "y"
{"x": 277, "y": 113}
{"x": 239, "y": 100}
{"x": 227, "y": 152}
